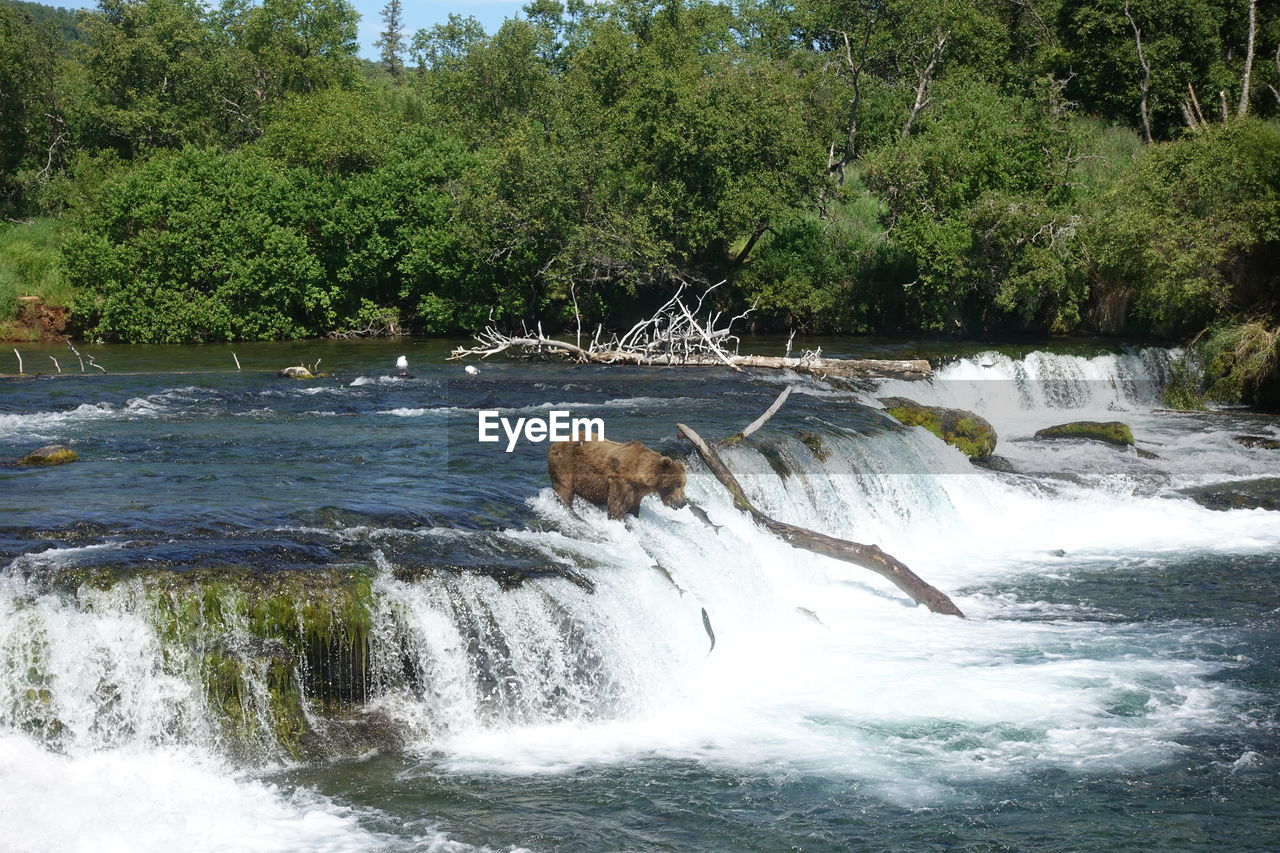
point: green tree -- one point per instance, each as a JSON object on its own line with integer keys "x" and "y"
{"x": 1182, "y": 45}
{"x": 390, "y": 41}
{"x": 201, "y": 245}
{"x": 1192, "y": 232}
{"x": 32, "y": 132}
{"x": 980, "y": 200}
{"x": 148, "y": 76}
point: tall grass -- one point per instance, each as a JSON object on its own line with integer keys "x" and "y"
{"x": 31, "y": 265}
{"x": 1242, "y": 360}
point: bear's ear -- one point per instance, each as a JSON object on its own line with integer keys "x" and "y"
{"x": 668, "y": 464}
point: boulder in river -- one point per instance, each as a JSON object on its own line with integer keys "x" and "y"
{"x": 971, "y": 434}
{"x": 297, "y": 372}
{"x": 1241, "y": 494}
{"x": 50, "y": 454}
{"x": 995, "y": 463}
{"x": 1260, "y": 442}
{"x": 1109, "y": 432}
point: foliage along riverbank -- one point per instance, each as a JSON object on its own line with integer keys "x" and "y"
{"x": 236, "y": 173}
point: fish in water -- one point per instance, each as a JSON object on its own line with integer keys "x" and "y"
{"x": 706, "y": 623}
{"x": 701, "y": 515}
{"x": 666, "y": 574}
{"x": 804, "y": 611}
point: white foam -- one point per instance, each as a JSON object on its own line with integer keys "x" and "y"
{"x": 158, "y": 799}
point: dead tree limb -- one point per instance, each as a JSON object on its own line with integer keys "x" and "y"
{"x": 762, "y": 420}
{"x": 866, "y": 556}
{"x": 1145, "y": 86}
{"x": 922, "y": 84}
{"x": 680, "y": 335}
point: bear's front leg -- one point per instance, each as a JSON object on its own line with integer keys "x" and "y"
{"x": 622, "y": 499}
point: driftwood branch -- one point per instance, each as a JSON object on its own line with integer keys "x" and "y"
{"x": 762, "y": 420}
{"x": 866, "y": 556}
{"x": 681, "y": 335}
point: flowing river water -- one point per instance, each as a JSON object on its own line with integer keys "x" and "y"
{"x": 545, "y": 677}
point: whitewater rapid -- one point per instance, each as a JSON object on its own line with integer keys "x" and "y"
{"x": 819, "y": 667}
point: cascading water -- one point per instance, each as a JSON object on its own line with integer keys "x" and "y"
{"x": 563, "y": 646}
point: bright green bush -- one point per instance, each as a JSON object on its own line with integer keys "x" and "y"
{"x": 1193, "y": 230}
{"x": 202, "y": 246}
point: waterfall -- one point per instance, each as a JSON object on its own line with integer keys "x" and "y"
{"x": 817, "y": 664}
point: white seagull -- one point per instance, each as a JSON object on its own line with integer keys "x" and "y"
{"x": 402, "y": 364}
{"x": 472, "y": 370}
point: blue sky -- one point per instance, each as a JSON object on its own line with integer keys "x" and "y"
{"x": 423, "y": 14}
{"x": 417, "y": 15}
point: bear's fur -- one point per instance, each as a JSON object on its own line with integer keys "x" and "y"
{"x": 614, "y": 475}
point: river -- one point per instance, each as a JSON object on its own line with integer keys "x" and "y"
{"x": 546, "y": 676}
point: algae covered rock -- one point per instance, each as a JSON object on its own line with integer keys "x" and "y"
{"x": 50, "y": 454}
{"x": 1109, "y": 432}
{"x": 296, "y": 372}
{"x": 1240, "y": 494}
{"x": 283, "y": 656}
{"x": 971, "y": 434}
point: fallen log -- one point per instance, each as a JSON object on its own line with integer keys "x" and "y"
{"x": 866, "y": 556}
{"x": 856, "y": 368}
{"x": 675, "y": 336}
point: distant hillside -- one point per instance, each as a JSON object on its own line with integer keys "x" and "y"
{"x": 64, "y": 22}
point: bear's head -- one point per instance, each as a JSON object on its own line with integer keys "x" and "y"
{"x": 671, "y": 480}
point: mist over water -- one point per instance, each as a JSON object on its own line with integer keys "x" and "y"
{"x": 1113, "y": 685}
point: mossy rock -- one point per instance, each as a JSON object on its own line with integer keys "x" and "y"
{"x": 971, "y": 434}
{"x": 1109, "y": 432}
{"x": 276, "y": 651}
{"x": 50, "y": 454}
{"x": 296, "y": 373}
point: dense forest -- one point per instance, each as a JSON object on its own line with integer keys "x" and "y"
{"x": 178, "y": 171}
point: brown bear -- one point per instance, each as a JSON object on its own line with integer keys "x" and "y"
{"x": 614, "y": 475}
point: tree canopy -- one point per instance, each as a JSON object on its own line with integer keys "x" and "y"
{"x": 234, "y": 171}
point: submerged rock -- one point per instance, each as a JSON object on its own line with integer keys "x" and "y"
{"x": 971, "y": 434}
{"x": 994, "y": 463}
{"x": 296, "y": 372}
{"x": 1243, "y": 494}
{"x": 1260, "y": 442}
{"x": 1109, "y": 432}
{"x": 816, "y": 446}
{"x": 50, "y": 454}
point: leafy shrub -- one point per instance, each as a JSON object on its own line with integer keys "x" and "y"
{"x": 202, "y": 246}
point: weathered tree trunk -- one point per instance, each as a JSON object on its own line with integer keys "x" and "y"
{"x": 866, "y": 556}
{"x": 1246, "y": 82}
{"x": 857, "y": 368}
{"x": 922, "y": 84}
{"x": 1145, "y": 86}
{"x": 855, "y": 103}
